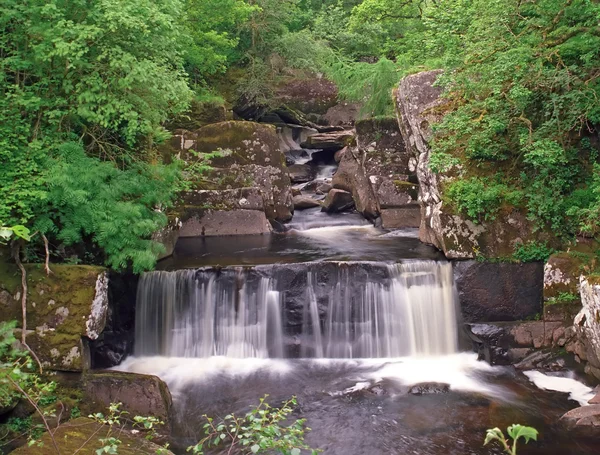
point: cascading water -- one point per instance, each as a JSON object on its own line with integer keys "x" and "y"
{"x": 237, "y": 313}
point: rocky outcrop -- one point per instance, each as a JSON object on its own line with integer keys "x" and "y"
{"x": 83, "y": 435}
{"x": 342, "y": 114}
{"x": 583, "y": 421}
{"x": 419, "y": 106}
{"x": 246, "y": 186}
{"x": 64, "y": 310}
{"x": 587, "y": 326}
{"x": 140, "y": 394}
{"x": 310, "y": 95}
{"x": 350, "y": 176}
{"x": 499, "y": 291}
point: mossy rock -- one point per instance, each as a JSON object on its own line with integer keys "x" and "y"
{"x": 62, "y": 308}
{"x": 199, "y": 114}
{"x": 82, "y": 436}
{"x": 309, "y": 95}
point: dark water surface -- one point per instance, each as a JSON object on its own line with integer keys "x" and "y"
{"x": 364, "y": 407}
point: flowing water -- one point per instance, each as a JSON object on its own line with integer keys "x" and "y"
{"x": 360, "y": 324}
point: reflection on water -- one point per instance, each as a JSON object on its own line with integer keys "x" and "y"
{"x": 338, "y": 243}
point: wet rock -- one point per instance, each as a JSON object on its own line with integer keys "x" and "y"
{"x": 63, "y": 310}
{"x": 395, "y": 193}
{"x": 351, "y": 177}
{"x": 140, "y": 394}
{"x": 596, "y": 399}
{"x": 82, "y": 435}
{"x": 409, "y": 217}
{"x": 300, "y": 173}
{"x": 305, "y": 202}
{"x": 211, "y": 223}
{"x": 499, "y": 291}
{"x": 338, "y": 201}
{"x": 333, "y": 141}
{"x": 429, "y": 388}
{"x": 583, "y": 421}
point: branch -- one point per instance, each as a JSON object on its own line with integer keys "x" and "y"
{"x": 47, "y": 263}
{"x": 17, "y": 258}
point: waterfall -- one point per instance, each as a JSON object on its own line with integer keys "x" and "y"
{"x": 407, "y": 309}
{"x": 206, "y": 313}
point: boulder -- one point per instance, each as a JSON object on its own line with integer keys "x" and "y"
{"x": 311, "y": 94}
{"x": 211, "y": 223}
{"x": 350, "y": 176}
{"x": 419, "y": 105}
{"x": 338, "y": 201}
{"x": 300, "y": 173}
{"x": 140, "y": 394}
{"x": 333, "y": 141}
{"x": 492, "y": 292}
{"x": 342, "y": 114}
{"x": 252, "y": 158}
{"x": 83, "y": 435}
{"x": 583, "y": 421}
{"x": 64, "y": 310}
{"x": 305, "y": 202}
{"x": 408, "y": 217}
{"x": 323, "y": 188}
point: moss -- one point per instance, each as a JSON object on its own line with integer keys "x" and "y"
{"x": 86, "y": 433}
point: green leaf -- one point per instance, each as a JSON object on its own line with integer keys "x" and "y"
{"x": 517, "y": 431}
{"x": 255, "y": 448}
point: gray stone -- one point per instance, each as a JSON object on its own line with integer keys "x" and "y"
{"x": 305, "y": 202}
{"x": 408, "y": 217}
{"x": 333, "y": 141}
{"x": 351, "y": 177}
{"x": 342, "y": 114}
{"x": 300, "y": 173}
{"x": 225, "y": 222}
{"x": 587, "y": 325}
{"x": 338, "y": 201}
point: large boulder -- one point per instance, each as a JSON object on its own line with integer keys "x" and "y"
{"x": 337, "y": 201}
{"x": 583, "y": 421}
{"x": 64, "y": 310}
{"x": 342, "y": 114}
{"x": 83, "y": 436}
{"x": 247, "y": 184}
{"x": 309, "y": 95}
{"x": 490, "y": 292}
{"x": 139, "y": 394}
{"x": 350, "y": 176}
{"x": 419, "y": 105}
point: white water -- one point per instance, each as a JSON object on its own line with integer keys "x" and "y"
{"x": 195, "y": 314}
{"x": 577, "y": 391}
{"x": 227, "y": 313}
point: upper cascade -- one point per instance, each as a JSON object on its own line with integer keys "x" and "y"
{"x": 313, "y": 310}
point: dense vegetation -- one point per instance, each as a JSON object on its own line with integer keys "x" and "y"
{"x": 87, "y": 87}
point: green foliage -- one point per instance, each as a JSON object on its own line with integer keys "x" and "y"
{"x": 104, "y": 75}
{"x": 515, "y": 432}
{"x": 564, "y": 298}
{"x": 480, "y": 198}
{"x": 259, "y": 431}
{"x": 532, "y": 251}
{"x": 521, "y": 89}
{"x": 14, "y": 232}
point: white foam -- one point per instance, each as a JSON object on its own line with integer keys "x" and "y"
{"x": 577, "y": 391}
{"x": 179, "y": 371}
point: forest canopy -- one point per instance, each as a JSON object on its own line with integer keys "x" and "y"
{"x": 88, "y": 88}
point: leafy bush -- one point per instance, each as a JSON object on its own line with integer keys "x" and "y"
{"x": 259, "y": 431}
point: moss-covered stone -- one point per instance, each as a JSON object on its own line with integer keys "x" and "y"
{"x": 309, "y": 95}
{"x": 62, "y": 308}
{"x": 199, "y": 114}
{"x": 83, "y": 436}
